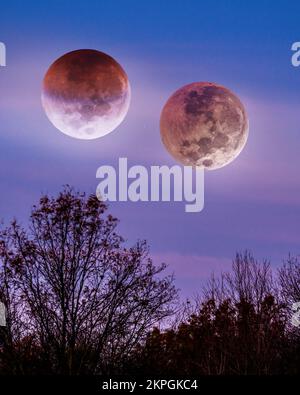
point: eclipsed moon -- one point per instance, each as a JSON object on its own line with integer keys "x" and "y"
{"x": 86, "y": 94}
{"x": 205, "y": 125}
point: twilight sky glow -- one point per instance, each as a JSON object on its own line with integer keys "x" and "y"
{"x": 253, "y": 203}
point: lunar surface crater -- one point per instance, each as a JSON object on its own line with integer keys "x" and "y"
{"x": 204, "y": 125}
{"x": 86, "y": 94}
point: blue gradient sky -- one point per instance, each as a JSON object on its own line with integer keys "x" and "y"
{"x": 253, "y": 203}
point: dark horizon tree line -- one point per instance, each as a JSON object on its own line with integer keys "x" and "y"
{"x": 78, "y": 302}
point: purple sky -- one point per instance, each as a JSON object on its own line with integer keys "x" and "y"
{"x": 252, "y": 203}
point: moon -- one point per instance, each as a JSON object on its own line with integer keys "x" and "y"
{"x": 204, "y": 125}
{"x": 86, "y": 94}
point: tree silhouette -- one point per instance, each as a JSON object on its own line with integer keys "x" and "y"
{"x": 289, "y": 280}
{"x": 237, "y": 327}
{"x": 74, "y": 294}
{"x": 78, "y": 301}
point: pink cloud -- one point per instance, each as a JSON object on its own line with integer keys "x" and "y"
{"x": 192, "y": 266}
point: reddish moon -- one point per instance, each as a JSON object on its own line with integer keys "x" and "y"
{"x": 204, "y": 125}
{"x": 86, "y": 94}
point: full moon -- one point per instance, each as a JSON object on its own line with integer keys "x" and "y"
{"x": 204, "y": 125}
{"x": 86, "y": 94}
